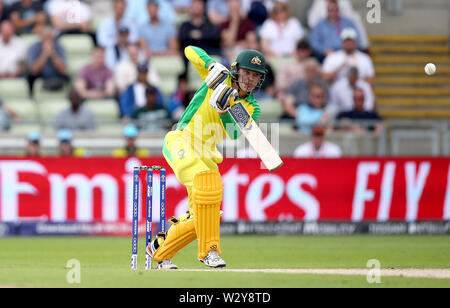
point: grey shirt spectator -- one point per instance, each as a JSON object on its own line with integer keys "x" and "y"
{"x": 76, "y": 116}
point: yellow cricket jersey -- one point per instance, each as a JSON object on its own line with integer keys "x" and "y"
{"x": 201, "y": 124}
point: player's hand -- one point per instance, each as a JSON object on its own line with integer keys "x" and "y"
{"x": 217, "y": 75}
{"x": 220, "y": 99}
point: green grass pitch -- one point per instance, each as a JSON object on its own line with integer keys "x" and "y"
{"x": 105, "y": 261}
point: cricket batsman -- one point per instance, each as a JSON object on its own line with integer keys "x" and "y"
{"x": 191, "y": 152}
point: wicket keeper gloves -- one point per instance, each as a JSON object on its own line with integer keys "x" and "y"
{"x": 220, "y": 98}
{"x": 217, "y": 74}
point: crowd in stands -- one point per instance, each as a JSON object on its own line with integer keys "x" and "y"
{"x": 329, "y": 76}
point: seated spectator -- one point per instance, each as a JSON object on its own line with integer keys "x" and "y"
{"x": 318, "y": 11}
{"x": 298, "y": 92}
{"x": 119, "y": 51}
{"x": 33, "y": 148}
{"x": 130, "y": 133}
{"x": 325, "y": 37}
{"x": 179, "y": 101}
{"x": 293, "y": 70}
{"x": 218, "y": 11}
{"x": 13, "y": 52}
{"x": 28, "y": 16}
{"x": 6, "y": 116}
{"x": 65, "y": 147}
{"x": 341, "y": 93}
{"x": 134, "y": 96}
{"x": 199, "y": 31}
{"x": 359, "y": 119}
{"x": 337, "y": 63}
{"x": 108, "y": 30}
{"x": 318, "y": 147}
{"x": 314, "y": 112}
{"x": 152, "y": 116}
{"x": 125, "y": 72}
{"x": 157, "y": 37}
{"x": 281, "y": 32}
{"x": 136, "y": 10}
{"x": 70, "y": 17}
{"x": 4, "y": 12}
{"x": 257, "y": 10}
{"x": 235, "y": 29}
{"x": 76, "y": 116}
{"x": 95, "y": 80}
{"x": 47, "y": 60}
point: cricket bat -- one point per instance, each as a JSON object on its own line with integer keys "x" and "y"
{"x": 255, "y": 137}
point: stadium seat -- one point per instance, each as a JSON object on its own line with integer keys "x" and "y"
{"x": 76, "y": 63}
{"x": 49, "y": 108}
{"x": 168, "y": 69}
{"x": 77, "y": 44}
{"x": 103, "y": 109}
{"x": 271, "y": 109}
{"x": 26, "y": 109}
{"x": 39, "y": 93}
{"x": 30, "y": 39}
{"x": 14, "y": 88}
{"x": 278, "y": 62}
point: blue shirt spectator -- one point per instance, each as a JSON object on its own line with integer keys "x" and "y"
{"x": 325, "y": 37}
{"x": 312, "y": 113}
{"x": 137, "y": 11}
{"x": 107, "y": 32}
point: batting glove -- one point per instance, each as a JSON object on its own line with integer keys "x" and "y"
{"x": 220, "y": 98}
{"x": 217, "y": 75}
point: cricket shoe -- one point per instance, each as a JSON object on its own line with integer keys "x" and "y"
{"x": 213, "y": 259}
{"x": 153, "y": 246}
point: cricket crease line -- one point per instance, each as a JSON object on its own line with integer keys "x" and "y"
{"x": 399, "y": 272}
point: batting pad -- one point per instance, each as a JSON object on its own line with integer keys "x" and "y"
{"x": 207, "y": 194}
{"x": 179, "y": 235}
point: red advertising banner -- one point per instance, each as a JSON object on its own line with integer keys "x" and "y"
{"x": 100, "y": 190}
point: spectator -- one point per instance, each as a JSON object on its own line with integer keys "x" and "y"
{"x": 4, "y": 12}
{"x": 108, "y": 30}
{"x": 134, "y": 96}
{"x": 130, "y": 133}
{"x": 125, "y": 72}
{"x": 65, "y": 147}
{"x": 76, "y": 116}
{"x": 199, "y": 31}
{"x": 179, "y": 101}
{"x": 293, "y": 70}
{"x": 95, "y": 80}
{"x": 136, "y": 10}
{"x": 6, "y": 115}
{"x": 70, "y": 17}
{"x": 47, "y": 60}
{"x": 281, "y": 32}
{"x": 298, "y": 92}
{"x": 257, "y": 10}
{"x": 358, "y": 119}
{"x": 341, "y": 93}
{"x": 152, "y": 116}
{"x": 157, "y": 37}
{"x": 218, "y": 11}
{"x": 326, "y": 35}
{"x": 235, "y": 29}
{"x": 318, "y": 11}
{"x": 119, "y": 51}
{"x": 33, "y": 148}
{"x": 314, "y": 112}
{"x": 12, "y": 52}
{"x": 318, "y": 147}
{"x": 28, "y": 16}
{"x": 337, "y": 64}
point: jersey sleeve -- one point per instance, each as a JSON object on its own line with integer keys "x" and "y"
{"x": 231, "y": 129}
{"x": 200, "y": 59}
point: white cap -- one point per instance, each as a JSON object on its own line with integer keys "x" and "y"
{"x": 349, "y": 33}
